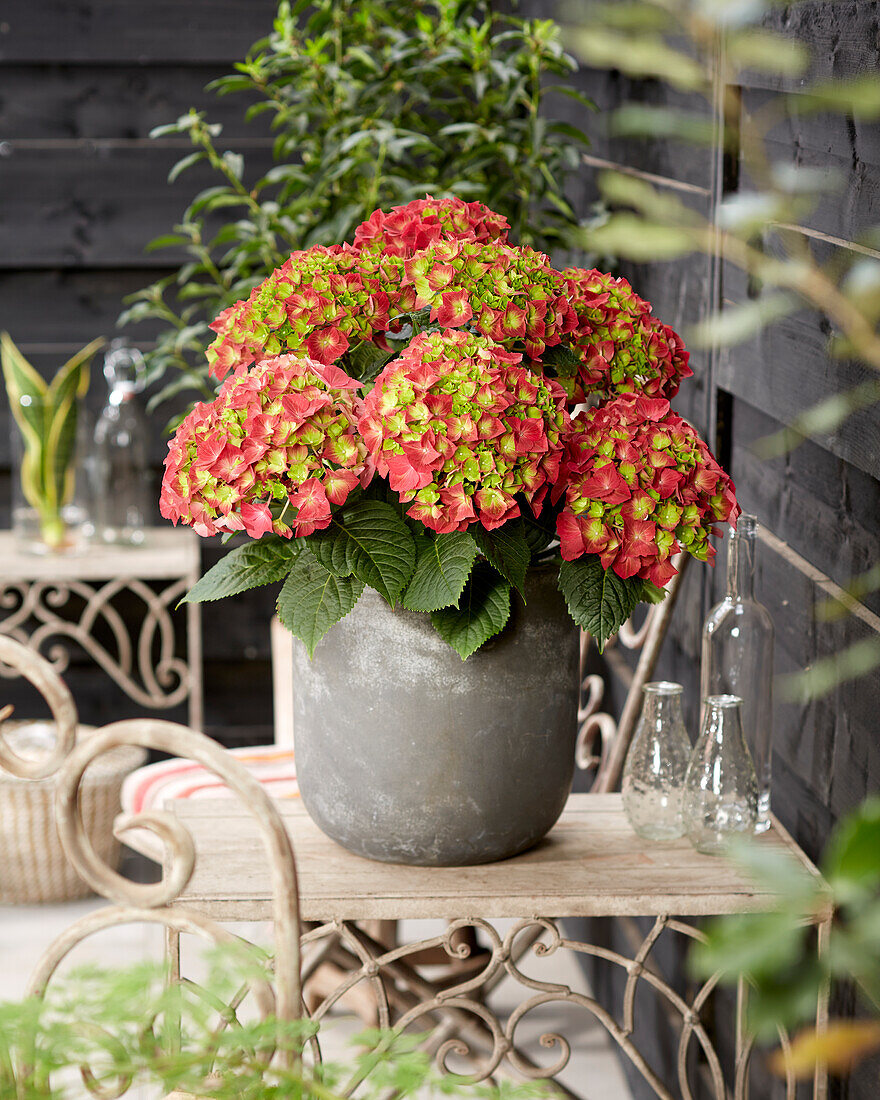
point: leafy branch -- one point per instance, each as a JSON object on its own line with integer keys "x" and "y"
{"x": 371, "y": 104}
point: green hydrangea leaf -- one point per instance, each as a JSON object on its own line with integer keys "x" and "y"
{"x": 482, "y": 611}
{"x": 249, "y": 566}
{"x": 651, "y": 593}
{"x": 312, "y": 600}
{"x": 368, "y": 540}
{"x": 507, "y": 548}
{"x": 366, "y": 360}
{"x": 563, "y": 359}
{"x": 599, "y": 601}
{"x": 443, "y": 566}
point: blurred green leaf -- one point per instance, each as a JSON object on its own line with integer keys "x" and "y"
{"x": 643, "y": 56}
{"x": 859, "y": 96}
{"x": 853, "y": 854}
{"x": 756, "y": 944}
{"x": 750, "y": 211}
{"x": 734, "y": 324}
{"x": 767, "y": 51}
{"x": 642, "y": 120}
{"x": 660, "y": 205}
{"x": 635, "y": 238}
{"x": 828, "y": 673}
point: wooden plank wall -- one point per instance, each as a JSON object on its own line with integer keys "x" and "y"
{"x": 820, "y": 503}
{"x": 82, "y": 191}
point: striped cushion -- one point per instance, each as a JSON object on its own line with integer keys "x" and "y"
{"x": 155, "y": 785}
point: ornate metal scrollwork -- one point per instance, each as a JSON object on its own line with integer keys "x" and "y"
{"x": 145, "y": 666}
{"x": 154, "y": 903}
{"x": 467, "y": 1027}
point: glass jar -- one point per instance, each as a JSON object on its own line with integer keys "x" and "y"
{"x": 737, "y": 656}
{"x": 656, "y": 765}
{"x": 50, "y": 503}
{"x": 721, "y": 791}
{"x": 119, "y": 469}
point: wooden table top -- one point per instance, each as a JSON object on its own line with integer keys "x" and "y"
{"x": 165, "y": 552}
{"x": 591, "y": 864}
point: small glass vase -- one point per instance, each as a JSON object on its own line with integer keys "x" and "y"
{"x": 656, "y": 765}
{"x": 737, "y": 655}
{"x": 54, "y": 522}
{"x": 721, "y": 790}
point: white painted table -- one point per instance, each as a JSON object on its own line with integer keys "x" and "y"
{"x": 591, "y": 864}
{"x": 47, "y": 598}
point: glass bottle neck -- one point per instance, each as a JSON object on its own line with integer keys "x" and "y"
{"x": 662, "y": 703}
{"x": 741, "y": 559}
{"x": 122, "y": 393}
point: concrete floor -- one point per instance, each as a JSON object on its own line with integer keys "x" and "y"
{"x": 593, "y": 1071}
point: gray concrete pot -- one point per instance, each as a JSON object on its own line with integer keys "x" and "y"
{"x": 407, "y": 754}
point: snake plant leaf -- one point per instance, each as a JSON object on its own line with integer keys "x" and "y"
{"x": 46, "y": 416}
{"x": 26, "y": 391}
{"x": 60, "y": 413}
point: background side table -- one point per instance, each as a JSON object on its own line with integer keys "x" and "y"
{"x": 45, "y": 599}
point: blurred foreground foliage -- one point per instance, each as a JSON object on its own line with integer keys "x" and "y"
{"x": 702, "y": 49}
{"x": 777, "y": 951}
{"x": 120, "y": 1029}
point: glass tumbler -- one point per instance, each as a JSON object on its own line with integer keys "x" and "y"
{"x": 721, "y": 790}
{"x": 656, "y": 764}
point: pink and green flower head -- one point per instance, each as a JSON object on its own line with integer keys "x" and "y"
{"x": 318, "y": 303}
{"x": 273, "y": 452}
{"x": 510, "y": 294}
{"x": 460, "y": 428}
{"x": 405, "y": 230}
{"x": 639, "y": 485}
{"x": 623, "y": 348}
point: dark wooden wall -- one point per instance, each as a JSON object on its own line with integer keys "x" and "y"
{"x": 82, "y": 191}
{"x": 820, "y": 503}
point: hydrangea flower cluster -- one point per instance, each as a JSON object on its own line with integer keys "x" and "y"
{"x": 508, "y": 293}
{"x": 639, "y": 485}
{"x": 623, "y": 348}
{"x": 405, "y": 230}
{"x": 273, "y": 452}
{"x": 316, "y": 304}
{"x": 483, "y": 351}
{"x": 459, "y": 427}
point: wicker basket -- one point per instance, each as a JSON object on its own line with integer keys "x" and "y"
{"x": 33, "y": 866}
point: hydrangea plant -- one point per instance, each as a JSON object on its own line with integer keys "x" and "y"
{"x": 432, "y": 410}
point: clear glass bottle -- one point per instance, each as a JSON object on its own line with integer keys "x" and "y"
{"x": 721, "y": 791}
{"x": 737, "y": 657}
{"x": 656, "y": 764}
{"x": 120, "y": 474}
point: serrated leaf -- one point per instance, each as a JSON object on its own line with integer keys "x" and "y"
{"x": 507, "y": 549}
{"x": 366, "y": 360}
{"x": 649, "y": 592}
{"x": 599, "y": 601}
{"x": 482, "y": 611}
{"x": 443, "y": 566}
{"x": 249, "y": 566}
{"x": 563, "y": 359}
{"x": 312, "y": 600}
{"x": 370, "y": 541}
